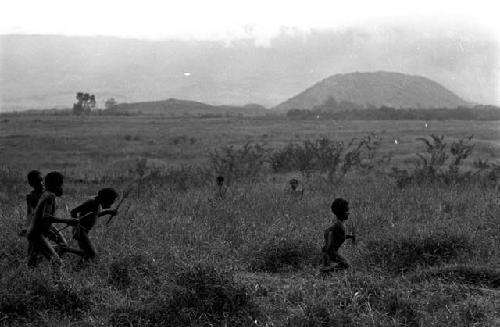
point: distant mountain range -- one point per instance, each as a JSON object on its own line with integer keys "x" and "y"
{"x": 376, "y": 89}
{"x": 176, "y": 107}
{"x": 362, "y": 90}
{"x": 46, "y": 71}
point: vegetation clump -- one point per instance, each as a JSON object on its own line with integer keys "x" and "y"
{"x": 402, "y": 253}
{"x": 125, "y": 271}
{"x": 200, "y": 296}
{"x": 23, "y": 295}
{"x": 284, "y": 255}
{"x": 464, "y": 274}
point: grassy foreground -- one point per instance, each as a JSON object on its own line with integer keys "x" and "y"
{"x": 427, "y": 255}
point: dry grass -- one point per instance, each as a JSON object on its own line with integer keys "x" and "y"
{"x": 424, "y": 254}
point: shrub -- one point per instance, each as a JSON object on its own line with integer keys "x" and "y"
{"x": 201, "y": 296}
{"x": 471, "y": 275}
{"x": 246, "y": 161}
{"x": 284, "y": 255}
{"x": 402, "y": 253}
{"x": 23, "y": 295}
{"x": 319, "y": 315}
{"x": 125, "y": 271}
{"x": 332, "y": 158}
{"x": 443, "y": 164}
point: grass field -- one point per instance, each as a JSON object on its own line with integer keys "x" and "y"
{"x": 427, "y": 254}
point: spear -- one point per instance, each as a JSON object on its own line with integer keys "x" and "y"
{"x": 353, "y": 233}
{"x": 124, "y": 196}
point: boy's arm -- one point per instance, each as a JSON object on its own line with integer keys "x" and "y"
{"x": 329, "y": 240}
{"x": 53, "y": 219}
{"x": 28, "y": 211}
{"x": 111, "y": 212}
{"x": 74, "y": 212}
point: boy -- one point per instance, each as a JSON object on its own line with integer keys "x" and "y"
{"x": 35, "y": 180}
{"x": 221, "y": 188}
{"x": 335, "y": 236}
{"x": 294, "y": 191}
{"x": 88, "y": 212}
{"x": 41, "y": 223}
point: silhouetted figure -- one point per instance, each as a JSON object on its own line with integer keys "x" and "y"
{"x": 221, "y": 188}
{"x": 335, "y": 237}
{"x": 87, "y": 214}
{"x": 294, "y": 188}
{"x": 35, "y": 180}
{"x": 41, "y": 223}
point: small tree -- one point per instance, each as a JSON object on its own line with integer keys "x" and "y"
{"x": 110, "y": 103}
{"x": 85, "y": 103}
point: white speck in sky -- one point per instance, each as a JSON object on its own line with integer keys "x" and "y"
{"x": 187, "y": 74}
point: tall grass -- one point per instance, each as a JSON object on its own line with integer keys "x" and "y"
{"x": 178, "y": 256}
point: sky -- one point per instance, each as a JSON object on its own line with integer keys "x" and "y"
{"x": 230, "y": 19}
{"x": 456, "y": 43}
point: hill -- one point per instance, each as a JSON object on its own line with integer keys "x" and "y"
{"x": 176, "y": 107}
{"x": 46, "y": 71}
{"x": 376, "y": 89}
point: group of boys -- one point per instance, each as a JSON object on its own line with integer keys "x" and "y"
{"x": 41, "y": 209}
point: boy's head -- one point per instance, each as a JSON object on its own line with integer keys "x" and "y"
{"x": 219, "y": 180}
{"x": 107, "y": 197}
{"x": 54, "y": 182}
{"x": 340, "y": 208}
{"x": 35, "y": 179}
{"x": 294, "y": 183}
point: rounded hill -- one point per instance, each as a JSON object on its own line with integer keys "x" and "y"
{"x": 376, "y": 89}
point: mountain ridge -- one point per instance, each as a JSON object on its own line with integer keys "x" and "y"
{"x": 376, "y": 89}
{"x": 176, "y": 107}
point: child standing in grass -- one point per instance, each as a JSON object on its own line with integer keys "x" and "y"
{"x": 221, "y": 188}
{"x": 335, "y": 236}
{"x": 35, "y": 180}
{"x": 88, "y": 212}
{"x": 294, "y": 189}
{"x": 42, "y": 220}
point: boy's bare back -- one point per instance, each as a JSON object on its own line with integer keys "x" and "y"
{"x": 46, "y": 207}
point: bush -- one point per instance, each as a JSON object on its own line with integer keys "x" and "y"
{"x": 284, "y": 255}
{"x": 23, "y": 295}
{"x": 402, "y": 253}
{"x": 319, "y": 315}
{"x": 471, "y": 275}
{"x": 443, "y": 164}
{"x": 201, "y": 296}
{"x": 126, "y": 271}
{"x": 246, "y": 161}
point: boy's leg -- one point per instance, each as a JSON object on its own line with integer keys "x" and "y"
{"x": 56, "y": 236}
{"x": 32, "y": 254}
{"x": 86, "y": 246}
{"x": 340, "y": 260}
{"x": 40, "y": 245}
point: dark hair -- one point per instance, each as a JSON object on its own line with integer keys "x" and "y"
{"x": 293, "y": 181}
{"x": 107, "y": 193}
{"x": 219, "y": 179}
{"x": 32, "y": 176}
{"x": 339, "y": 206}
{"x": 54, "y": 178}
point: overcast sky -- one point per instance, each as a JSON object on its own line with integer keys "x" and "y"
{"x": 229, "y": 19}
{"x": 454, "y": 42}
